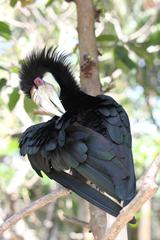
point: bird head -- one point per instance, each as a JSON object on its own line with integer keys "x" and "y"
{"x": 47, "y": 79}
{"x": 46, "y": 94}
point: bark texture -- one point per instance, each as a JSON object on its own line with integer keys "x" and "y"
{"x": 89, "y": 73}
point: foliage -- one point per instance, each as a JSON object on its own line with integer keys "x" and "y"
{"x": 128, "y": 39}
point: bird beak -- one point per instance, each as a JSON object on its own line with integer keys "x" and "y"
{"x": 47, "y": 98}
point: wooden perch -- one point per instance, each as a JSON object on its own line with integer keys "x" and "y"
{"x": 34, "y": 206}
{"x": 148, "y": 188}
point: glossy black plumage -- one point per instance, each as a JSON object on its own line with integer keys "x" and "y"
{"x": 92, "y": 139}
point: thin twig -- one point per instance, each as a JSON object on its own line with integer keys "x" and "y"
{"x": 34, "y": 206}
{"x": 147, "y": 190}
{"x": 144, "y": 30}
{"x": 151, "y": 113}
{"x": 75, "y": 220}
{"x": 117, "y": 26}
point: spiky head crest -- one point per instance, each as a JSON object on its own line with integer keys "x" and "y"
{"x": 47, "y": 60}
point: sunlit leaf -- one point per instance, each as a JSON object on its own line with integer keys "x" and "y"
{"x": 13, "y": 99}
{"x": 15, "y": 69}
{"x": 49, "y": 2}
{"x": 5, "y": 31}
{"x": 13, "y": 3}
{"x": 106, "y": 37}
{"x": 29, "y": 105}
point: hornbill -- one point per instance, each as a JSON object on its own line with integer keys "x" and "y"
{"x": 86, "y": 145}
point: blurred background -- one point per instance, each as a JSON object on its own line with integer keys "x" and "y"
{"x": 128, "y": 39}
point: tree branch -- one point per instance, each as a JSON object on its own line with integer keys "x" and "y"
{"x": 34, "y": 206}
{"x": 142, "y": 32}
{"x": 147, "y": 190}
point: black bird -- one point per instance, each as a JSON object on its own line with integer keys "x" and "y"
{"x": 86, "y": 145}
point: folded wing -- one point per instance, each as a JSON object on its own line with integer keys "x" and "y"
{"x": 40, "y": 143}
{"x": 104, "y": 160}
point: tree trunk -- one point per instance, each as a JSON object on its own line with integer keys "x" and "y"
{"x": 89, "y": 76}
{"x": 90, "y": 83}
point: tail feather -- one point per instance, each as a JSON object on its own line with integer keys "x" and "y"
{"x": 85, "y": 191}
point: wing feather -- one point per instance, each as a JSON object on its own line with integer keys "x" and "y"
{"x": 116, "y": 126}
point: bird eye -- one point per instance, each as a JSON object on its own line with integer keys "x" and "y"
{"x": 38, "y": 81}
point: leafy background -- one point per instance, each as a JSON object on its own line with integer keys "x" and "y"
{"x": 128, "y": 39}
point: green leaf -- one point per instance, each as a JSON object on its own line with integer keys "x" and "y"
{"x": 13, "y": 3}
{"x": 121, "y": 54}
{"x": 2, "y": 82}
{"x": 5, "y": 31}
{"x": 106, "y": 38}
{"x": 141, "y": 51}
{"x": 49, "y": 2}
{"x": 154, "y": 38}
{"x": 29, "y": 105}
{"x": 13, "y": 99}
{"x": 15, "y": 69}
